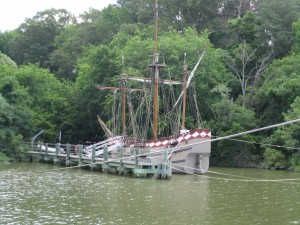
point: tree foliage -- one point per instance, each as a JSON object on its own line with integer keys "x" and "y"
{"x": 277, "y": 18}
{"x": 34, "y": 39}
{"x": 5, "y": 60}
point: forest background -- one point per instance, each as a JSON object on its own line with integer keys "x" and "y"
{"x": 249, "y": 77}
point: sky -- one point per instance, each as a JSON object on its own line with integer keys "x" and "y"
{"x": 14, "y": 12}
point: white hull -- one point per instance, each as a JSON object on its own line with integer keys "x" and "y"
{"x": 189, "y": 157}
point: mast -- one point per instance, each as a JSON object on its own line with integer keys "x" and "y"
{"x": 184, "y": 94}
{"x": 124, "y": 107}
{"x": 155, "y": 68}
{"x": 123, "y": 100}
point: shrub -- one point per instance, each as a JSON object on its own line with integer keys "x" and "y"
{"x": 3, "y": 158}
{"x": 295, "y": 161}
{"x": 274, "y": 159}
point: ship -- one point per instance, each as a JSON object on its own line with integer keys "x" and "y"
{"x": 188, "y": 150}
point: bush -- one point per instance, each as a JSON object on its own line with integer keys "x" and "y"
{"x": 3, "y": 158}
{"x": 274, "y": 159}
{"x": 295, "y": 162}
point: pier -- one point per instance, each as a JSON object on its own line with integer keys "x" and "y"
{"x": 139, "y": 163}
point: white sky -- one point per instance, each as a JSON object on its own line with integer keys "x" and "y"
{"x": 14, "y": 12}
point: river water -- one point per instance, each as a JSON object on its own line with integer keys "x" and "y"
{"x": 37, "y": 193}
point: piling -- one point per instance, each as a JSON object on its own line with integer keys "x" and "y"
{"x": 56, "y": 160}
{"x": 93, "y": 158}
{"x": 80, "y": 155}
{"x": 120, "y": 168}
{"x": 105, "y": 166}
{"x": 68, "y": 161}
{"x": 46, "y": 155}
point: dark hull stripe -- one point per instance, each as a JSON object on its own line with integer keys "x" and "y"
{"x": 183, "y": 150}
{"x": 170, "y": 150}
{"x": 179, "y": 161}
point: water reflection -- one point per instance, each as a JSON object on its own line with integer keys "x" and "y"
{"x": 77, "y": 196}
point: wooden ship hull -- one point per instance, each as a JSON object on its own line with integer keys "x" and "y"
{"x": 188, "y": 154}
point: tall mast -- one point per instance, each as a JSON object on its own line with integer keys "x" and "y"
{"x": 155, "y": 68}
{"x": 156, "y": 27}
{"x": 123, "y": 100}
{"x": 124, "y": 107}
{"x": 184, "y": 94}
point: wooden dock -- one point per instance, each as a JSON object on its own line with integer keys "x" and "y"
{"x": 137, "y": 164}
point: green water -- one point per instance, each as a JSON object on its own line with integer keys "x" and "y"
{"x": 29, "y": 195}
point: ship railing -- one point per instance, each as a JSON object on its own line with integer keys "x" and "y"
{"x": 100, "y": 145}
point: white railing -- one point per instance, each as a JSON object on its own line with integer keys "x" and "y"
{"x": 111, "y": 143}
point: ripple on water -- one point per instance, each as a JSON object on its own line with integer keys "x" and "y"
{"x": 84, "y": 197}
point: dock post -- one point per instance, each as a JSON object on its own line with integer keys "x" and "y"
{"x": 46, "y": 154}
{"x": 68, "y": 155}
{"x": 136, "y": 158}
{"x": 93, "y": 157}
{"x": 40, "y": 152}
{"x": 152, "y": 162}
{"x": 80, "y": 155}
{"x": 55, "y": 160}
{"x": 163, "y": 166}
{"x": 166, "y": 167}
{"x": 105, "y": 158}
{"x": 121, "y": 155}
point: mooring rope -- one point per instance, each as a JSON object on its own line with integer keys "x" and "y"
{"x": 246, "y": 179}
{"x": 259, "y": 143}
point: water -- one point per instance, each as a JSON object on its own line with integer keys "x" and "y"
{"x": 29, "y": 195}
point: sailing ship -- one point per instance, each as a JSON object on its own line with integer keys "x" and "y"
{"x": 188, "y": 150}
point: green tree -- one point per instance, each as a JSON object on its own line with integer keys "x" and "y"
{"x": 5, "y": 60}
{"x": 8, "y": 135}
{"x": 277, "y": 17}
{"x": 96, "y": 27}
{"x": 15, "y": 112}
{"x": 94, "y": 67}
{"x": 5, "y": 39}
{"x": 34, "y": 39}
{"x": 231, "y": 118}
{"x": 287, "y": 154}
{"x": 246, "y": 66}
{"x": 50, "y": 101}
{"x": 296, "y": 37}
{"x": 278, "y": 89}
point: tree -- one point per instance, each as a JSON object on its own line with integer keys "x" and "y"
{"x": 277, "y": 17}
{"x": 34, "y": 39}
{"x": 94, "y": 67}
{"x": 8, "y": 135}
{"x": 231, "y": 118}
{"x": 50, "y": 101}
{"x": 5, "y": 39}
{"x": 296, "y": 37}
{"x": 5, "y": 60}
{"x": 277, "y": 90}
{"x": 15, "y": 112}
{"x": 96, "y": 27}
{"x": 286, "y": 139}
{"x": 245, "y": 65}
